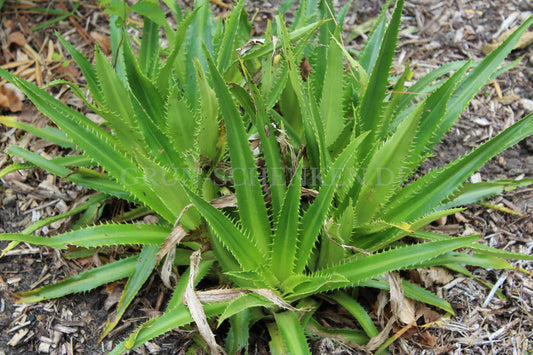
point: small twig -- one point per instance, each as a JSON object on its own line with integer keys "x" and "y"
{"x": 495, "y": 288}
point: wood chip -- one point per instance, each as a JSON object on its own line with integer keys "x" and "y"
{"x": 17, "y": 337}
{"x": 64, "y": 329}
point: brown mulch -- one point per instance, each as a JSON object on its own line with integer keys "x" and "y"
{"x": 433, "y": 33}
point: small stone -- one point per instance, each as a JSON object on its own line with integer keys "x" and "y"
{"x": 527, "y": 104}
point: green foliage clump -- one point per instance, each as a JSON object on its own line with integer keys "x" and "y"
{"x": 319, "y": 167}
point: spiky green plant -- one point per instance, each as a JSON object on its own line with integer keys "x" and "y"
{"x": 277, "y": 250}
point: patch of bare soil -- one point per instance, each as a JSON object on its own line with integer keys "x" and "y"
{"x": 433, "y": 33}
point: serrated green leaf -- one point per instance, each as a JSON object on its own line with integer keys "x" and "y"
{"x": 244, "y": 302}
{"x": 472, "y": 193}
{"x": 171, "y": 319}
{"x": 252, "y": 209}
{"x": 142, "y": 87}
{"x": 165, "y": 72}
{"x": 286, "y": 234}
{"x": 332, "y": 95}
{"x": 412, "y": 291}
{"x": 143, "y": 269}
{"x": 423, "y": 195}
{"x": 271, "y": 151}
{"x": 239, "y": 244}
{"x": 292, "y": 333}
{"x": 477, "y": 247}
{"x": 370, "y": 112}
{"x": 49, "y": 133}
{"x": 82, "y": 282}
{"x": 357, "y": 311}
{"x": 100, "y": 235}
{"x": 313, "y": 219}
{"x": 231, "y": 26}
{"x": 97, "y": 181}
{"x": 366, "y": 267}
{"x": 381, "y": 175}
{"x": 372, "y": 46}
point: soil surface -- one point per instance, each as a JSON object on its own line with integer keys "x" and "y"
{"x": 432, "y": 33}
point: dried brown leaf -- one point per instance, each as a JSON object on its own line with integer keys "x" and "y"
{"x": 403, "y": 308}
{"x": 429, "y": 315}
{"x": 103, "y": 41}
{"x": 435, "y": 275}
{"x": 9, "y": 100}
{"x": 196, "y": 308}
{"x": 426, "y": 339}
{"x": 523, "y": 42}
{"x": 379, "y": 339}
{"x": 16, "y": 38}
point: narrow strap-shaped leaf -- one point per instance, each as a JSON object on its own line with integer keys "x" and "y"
{"x": 412, "y": 291}
{"x": 292, "y": 333}
{"x": 371, "y": 108}
{"x": 366, "y": 267}
{"x": 176, "y": 317}
{"x": 296, "y": 35}
{"x": 143, "y": 269}
{"x": 87, "y": 69}
{"x": 239, "y": 331}
{"x": 201, "y": 27}
{"x": 271, "y": 151}
{"x": 165, "y": 72}
{"x": 95, "y": 200}
{"x": 331, "y": 102}
{"x": 100, "y": 235}
{"x": 313, "y": 219}
{"x": 158, "y": 143}
{"x": 472, "y": 193}
{"x": 119, "y": 109}
{"x": 82, "y": 282}
{"x": 150, "y": 9}
{"x": 343, "y": 335}
{"x": 477, "y": 247}
{"x": 242, "y": 303}
{"x": 370, "y": 51}
{"x": 478, "y": 78}
{"x": 149, "y": 52}
{"x": 434, "y": 111}
{"x": 381, "y": 176}
{"x": 49, "y": 133}
{"x": 252, "y": 209}
{"x": 207, "y": 130}
{"x": 320, "y": 51}
{"x": 428, "y": 192}
{"x": 96, "y": 181}
{"x": 481, "y": 260}
{"x": 180, "y": 122}
{"x": 286, "y": 235}
{"x": 241, "y": 246}
{"x": 423, "y": 86}
{"x": 357, "y": 311}
{"x": 142, "y": 87}
{"x": 231, "y": 26}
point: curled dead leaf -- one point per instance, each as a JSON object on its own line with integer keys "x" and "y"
{"x": 426, "y": 339}
{"x": 16, "y": 38}
{"x": 103, "y": 41}
{"x": 402, "y": 308}
{"x": 429, "y": 316}
{"x": 434, "y": 275}
{"x": 10, "y": 100}
{"x": 523, "y": 42}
